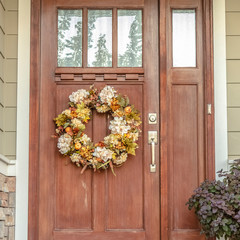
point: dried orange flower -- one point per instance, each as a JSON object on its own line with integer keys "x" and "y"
{"x": 68, "y": 129}
{"x": 78, "y": 145}
{"x": 114, "y": 104}
{"x": 128, "y": 110}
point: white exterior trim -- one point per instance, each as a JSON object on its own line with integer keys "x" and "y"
{"x": 23, "y": 119}
{"x": 23, "y": 105}
{"x": 220, "y": 84}
{"x": 7, "y": 167}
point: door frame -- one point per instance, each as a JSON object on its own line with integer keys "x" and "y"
{"x": 35, "y": 72}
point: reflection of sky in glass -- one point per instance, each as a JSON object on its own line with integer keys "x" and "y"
{"x": 184, "y": 38}
{"x": 124, "y": 25}
{"x": 75, "y": 17}
{"x": 103, "y": 25}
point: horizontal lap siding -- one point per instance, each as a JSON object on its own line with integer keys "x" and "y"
{"x": 8, "y": 76}
{"x": 2, "y": 59}
{"x": 233, "y": 76}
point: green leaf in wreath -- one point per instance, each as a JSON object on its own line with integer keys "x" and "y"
{"x": 60, "y": 120}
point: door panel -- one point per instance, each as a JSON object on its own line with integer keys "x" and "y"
{"x": 184, "y": 100}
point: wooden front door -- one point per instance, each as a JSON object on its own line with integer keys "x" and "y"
{"x": 136, "y": 204}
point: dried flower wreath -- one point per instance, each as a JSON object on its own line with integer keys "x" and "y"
{"x": 114, "y": 149}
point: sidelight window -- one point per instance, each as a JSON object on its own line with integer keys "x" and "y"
{"x": 113, "y": 38}
{"x": 184, "y": 38}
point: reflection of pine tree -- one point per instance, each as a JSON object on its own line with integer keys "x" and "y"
{"x": 74, "y": 58}
{"x": 91, "y": 26}
{"x": 133, "y": 54}
{"x": 102, "y": 56}
{"x": 69, "y": 48}
{"x": 63, "y": 25}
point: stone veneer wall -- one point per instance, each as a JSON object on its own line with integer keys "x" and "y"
{"x": 7, "y": 207}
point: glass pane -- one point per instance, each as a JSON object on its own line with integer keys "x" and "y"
{"x": 129, "y": 38}
{"x": 184, "y": 38}
{"x": 99, "y": 38}
{"x": 69, "y": 38}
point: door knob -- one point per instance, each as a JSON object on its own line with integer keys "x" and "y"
{"x": 152, "y": 140}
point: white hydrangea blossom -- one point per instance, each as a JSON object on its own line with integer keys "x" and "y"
{"x": 64, "y": 143}
{"x": 121, "y": 159}
{"x": 103, "y": 108}
{"x": 118, "y": 126}
{"x": 75, "y": 158}
{"x": 103, "y": 153}
{"x": 107, "y": 94}
{"x": 134, "y": 136}
{"x": 77, "y": 123}
{"x": 67, "y": 112}
{"x": 111, "y": 139}
{"x": 78, "y": 96}
{"x": 85, "y": 139}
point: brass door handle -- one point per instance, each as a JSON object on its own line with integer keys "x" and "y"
{"x": 152, "y": 140}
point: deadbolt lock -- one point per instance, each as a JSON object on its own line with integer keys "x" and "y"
{"x": 152, "y": 118}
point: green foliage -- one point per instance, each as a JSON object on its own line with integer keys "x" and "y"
{"x": 134, "y": 114}
{"x": 123, "y": 101}
{"x": 61, "y": 120}
{"x": 131, "y": 146}
{"x": 83, "y": 112}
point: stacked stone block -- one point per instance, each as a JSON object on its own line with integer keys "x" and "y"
{"x": 7, "y": 207}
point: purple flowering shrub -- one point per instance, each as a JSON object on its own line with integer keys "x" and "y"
{"x": 217, "y": 204}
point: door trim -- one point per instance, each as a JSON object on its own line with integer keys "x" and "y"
{"x": 209, "y": 99}
{"x": 35, "y": 60}
{"x": 34, "y": 110}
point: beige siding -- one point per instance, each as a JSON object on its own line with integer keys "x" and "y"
{"x": 232, "y": 6}
{"x": 8, "y": 76}
{"x": 2, "y": 56}
{"x": 233, "y": 76}
{"x": 233, "y": 71}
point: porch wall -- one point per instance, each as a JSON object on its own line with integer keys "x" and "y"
{"x": 8, "y": 77}
{"x": 8, "y": 118}
{"x": 233, "y": 76}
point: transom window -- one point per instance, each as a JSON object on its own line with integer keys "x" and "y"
{"x": 114, "y": 38}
